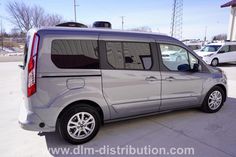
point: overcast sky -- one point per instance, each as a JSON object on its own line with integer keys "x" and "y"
{"x": 155, "y": 14}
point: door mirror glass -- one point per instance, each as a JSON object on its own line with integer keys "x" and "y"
{"x": 196, "y": 68}
{"x": 184, "y": 67}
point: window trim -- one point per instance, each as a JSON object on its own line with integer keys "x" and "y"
{"x": 122, "y": 46}
{"x": 98, "y": 54}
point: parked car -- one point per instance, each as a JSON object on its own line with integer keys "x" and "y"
{"x": 76, "y": 79}
{"x": 216, "y": 53}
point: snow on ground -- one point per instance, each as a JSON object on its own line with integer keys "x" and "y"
{"x": 11, "y": 51}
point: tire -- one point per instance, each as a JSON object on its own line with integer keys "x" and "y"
{"x": 74, "y": 130}
{"x": 214, "y": 62}
{"x": 213, "y": 104}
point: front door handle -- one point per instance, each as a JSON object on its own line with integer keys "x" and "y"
{"x": 151, "y": 78}
{"x": 170, "y": 78}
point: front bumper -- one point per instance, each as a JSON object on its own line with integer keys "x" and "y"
{"x": 29, "y": 120}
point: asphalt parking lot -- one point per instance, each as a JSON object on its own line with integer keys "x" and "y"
{"x": 209, "y": 134}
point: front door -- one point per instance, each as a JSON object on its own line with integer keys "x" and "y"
{"x": 180, "y": 88}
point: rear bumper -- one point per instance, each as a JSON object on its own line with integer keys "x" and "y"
{"x": 29, "y": 120}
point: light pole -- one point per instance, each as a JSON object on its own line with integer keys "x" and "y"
{"x": 122, "y": 22}
{"x": 205, "y": 37}
{"x": 75, "y": 11}
{"x": 1, "y": 33}
{"x": 1, "y": 30}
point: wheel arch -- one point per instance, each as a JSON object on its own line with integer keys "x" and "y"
{"x": 224, "y": 89}
{"x": 215, "y": 58}
{"x": 88, "y": 102}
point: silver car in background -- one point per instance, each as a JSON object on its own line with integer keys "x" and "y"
{"x": 76, "y": 79}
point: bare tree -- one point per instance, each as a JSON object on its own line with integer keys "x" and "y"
{"x": 38, "y": 18}
{"x": 26, "y": 17}
{"x": 20, "y": 15}
{"x": 142, "y": 29}
{"x": 52, "y": 20}
{"x": 220, "y": 37}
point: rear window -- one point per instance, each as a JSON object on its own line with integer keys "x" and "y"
{"x": 75, "y": 54}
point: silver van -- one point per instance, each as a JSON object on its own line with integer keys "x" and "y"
{"x": 77, "y": 79}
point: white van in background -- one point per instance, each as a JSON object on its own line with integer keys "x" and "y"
{"x": 216, "y": 53}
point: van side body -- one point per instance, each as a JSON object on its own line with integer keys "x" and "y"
{"x": 116, "y": 93}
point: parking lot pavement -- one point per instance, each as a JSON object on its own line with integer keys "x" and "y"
{"x": 209, "y": 134}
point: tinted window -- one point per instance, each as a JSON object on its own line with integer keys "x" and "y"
{"x": 233, "y": 48}
{"x": 115, "y": 55}
{"x": 173, "y": 56}
{"x": 129, "y": 55}
{"x": 81, "y": 54}
{"x": 224, "y": 49}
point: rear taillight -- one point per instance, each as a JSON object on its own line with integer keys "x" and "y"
{"x": 31, "y": 83}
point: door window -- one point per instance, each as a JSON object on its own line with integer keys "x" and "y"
{"x": 173, "y": 56}
{"x": 233, "y": 48}
{"x": 224, "y": 49}
{"x": 115, "y": 54}
{"x": 129, "y": 55}
{"x": 176, "y": 58}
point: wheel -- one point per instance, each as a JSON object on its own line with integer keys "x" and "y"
{"x": 214, "y": 100}
{"x": 79, "y": 124}
{"x": 215, "y": 62}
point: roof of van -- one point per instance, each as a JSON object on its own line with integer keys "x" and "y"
{"x": 62, "y": 30}
{"x": 96, "y": 30}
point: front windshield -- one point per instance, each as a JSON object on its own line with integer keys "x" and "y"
{"x": 211, "y": 48}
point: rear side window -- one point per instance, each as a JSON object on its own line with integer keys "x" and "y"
{"x": 75, "y": 54}
{"x": 129, "y": 55}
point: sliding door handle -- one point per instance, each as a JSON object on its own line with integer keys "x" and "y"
{"x": 151, "y": 78}
{"x": 170, "y": 78}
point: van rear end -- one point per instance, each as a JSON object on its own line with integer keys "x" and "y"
{"x": 28, "y": 117}
{"x": 61, "y": 67}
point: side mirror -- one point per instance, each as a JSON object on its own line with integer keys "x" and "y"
{"x": 21, "y": 66}
{"x": 184, "y": 68}
{"x": 129, "y": 60}
{"x": 221, "y": 51}
{"x": 195, "y": 68}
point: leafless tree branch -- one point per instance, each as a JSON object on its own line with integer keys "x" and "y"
{"x": 26, "y": 17}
